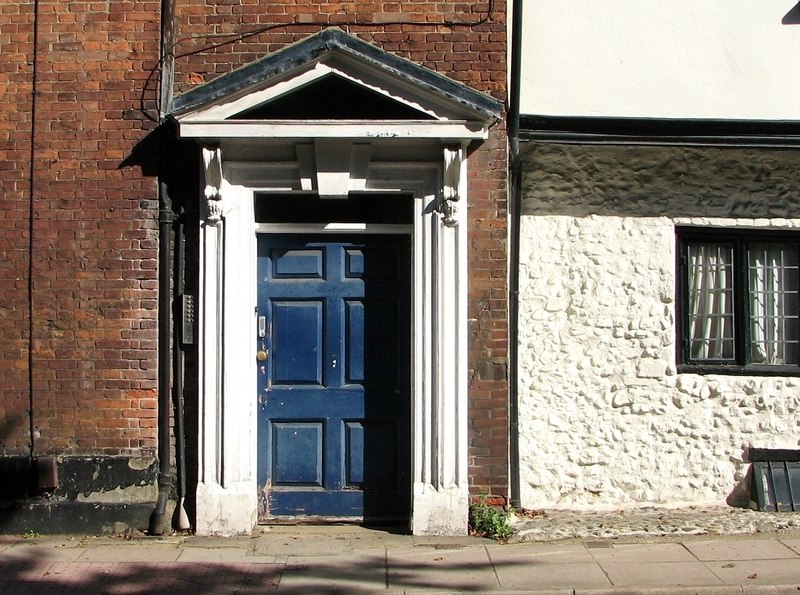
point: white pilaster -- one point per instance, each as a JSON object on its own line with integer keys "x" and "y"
{"x": 441, "y": 492}
{"x": 226, "y": 491}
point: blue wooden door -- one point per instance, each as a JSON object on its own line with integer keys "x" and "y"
{"x": 333, "y": 391}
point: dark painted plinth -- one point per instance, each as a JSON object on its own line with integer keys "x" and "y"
{"x": 84, "y": 518}
{"x": 89, "y": 499}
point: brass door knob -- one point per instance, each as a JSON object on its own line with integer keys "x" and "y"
{"x": 262, "y": 355}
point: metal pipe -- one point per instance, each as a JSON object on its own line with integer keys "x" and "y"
{"x": 165, "y": 221}
{"x": 180, "y": 519}
{"x": 515, "y": 184}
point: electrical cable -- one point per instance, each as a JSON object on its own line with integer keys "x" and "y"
{"x": 236, "y": 37}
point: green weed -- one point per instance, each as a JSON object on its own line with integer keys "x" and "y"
{"x": 488, "y": 521}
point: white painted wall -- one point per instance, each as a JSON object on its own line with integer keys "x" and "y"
{"x": 661, "y": 58}
{"x": 605, "y": 419}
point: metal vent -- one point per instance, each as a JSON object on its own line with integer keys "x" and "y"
{"x": 776, "y": 479}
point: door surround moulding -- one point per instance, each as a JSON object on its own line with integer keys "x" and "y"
{"x": 226, "y": 494}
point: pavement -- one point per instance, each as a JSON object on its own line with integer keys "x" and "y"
{"x": 351, "y": 559}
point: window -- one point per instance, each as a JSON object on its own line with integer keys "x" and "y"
{"x": 739, "y": 299}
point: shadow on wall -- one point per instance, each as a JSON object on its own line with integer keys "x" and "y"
{"x": 16, "y": 473}
{"x": 176, "y": 162}
{"x": 584, "y": 180}
{"x": 741, "y": 494}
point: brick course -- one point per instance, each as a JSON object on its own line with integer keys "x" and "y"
{"x": 94, "y": 256}
{"x": 16, "y": 49}
{"x": 93, "y": 302}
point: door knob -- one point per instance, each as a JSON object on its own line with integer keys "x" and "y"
{"x": 262, "y": 355}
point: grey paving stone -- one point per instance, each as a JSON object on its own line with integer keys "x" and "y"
{"x": 467, "y": 569}
{"x": 696, "y": 590}
{"x": 547, "y": 553}
{"x": 794, "y": 544}
{"x": 757, "y": 572}
{"x": 740, "y": 549}
{"x": 528, "y": 575}
{"x": 335, "y": 574}
{"x": 54, "y": 552}
{"x": 771, "y": 589}
{"x": 643, "y": 552}
{"x": 659, "y": 574}
{"x": 207, "y": 554}
{"x": 131, "y": 553}
{"x": 303, "y": 545}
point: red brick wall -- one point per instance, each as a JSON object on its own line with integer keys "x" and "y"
{"x": 16, "y": 51}
{"x": 94, "y": 259}
{"x": 488, "y": 311}
{"x": 94, "y": 240}
{"x": 472, "y": 54}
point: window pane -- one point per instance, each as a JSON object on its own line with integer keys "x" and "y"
{"x": 774, "y": 327}
{"x": 710, "y": 286}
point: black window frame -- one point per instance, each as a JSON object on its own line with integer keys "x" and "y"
{"x": 740, "y": 239}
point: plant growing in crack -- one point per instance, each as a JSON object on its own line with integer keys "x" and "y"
{"x": 489, "y": 521}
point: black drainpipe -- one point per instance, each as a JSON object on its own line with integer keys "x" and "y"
{"x": 180, "y": 519}
{"x": 158, "y": 521}
{"x": 165, "y": 220}
{"x": 515, "y": 189}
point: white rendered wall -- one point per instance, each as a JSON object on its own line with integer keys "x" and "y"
{"x": 605, "y": 419}
{"x": 661, "y": 58}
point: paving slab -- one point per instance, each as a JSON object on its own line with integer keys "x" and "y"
{"x": 380, "y": 540}
{"x": 43, "y": 551}
{"x": 757, "y": 572}
{"x": 528, "y": 575}
{"x": 547, "y": 553}
{"x": 133, "y": 552}
{"x": 643, "y": 552}
{"x": 433, "y": 569}
{"x": 262, "y": 577}
{"x": 770, "y": 589}
{"x": 303, "y": 545}
{"x": 343, "y": 574}
{"x": 696, "y": 590}
{"x": 656, "y": 574}
{"x": 219, "y": 554}
{"x": 241, "y": 542}
{"x": 90, "y": 577}
{"x": 22, "y": 570}
{"x": 794, "y": 544}
{"x": 134, "y": 578}
{"x": 740, "y": 549}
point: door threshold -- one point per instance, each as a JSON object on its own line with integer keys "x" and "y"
{"x": 310, "y": 520}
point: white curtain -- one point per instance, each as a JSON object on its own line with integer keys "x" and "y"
{"x": 711, "y": 302}
{"x": 772, "y": 272}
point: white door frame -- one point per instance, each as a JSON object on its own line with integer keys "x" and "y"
{"x": 227, "y": 489}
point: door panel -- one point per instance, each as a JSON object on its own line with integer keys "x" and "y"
{"x": 334, "y": 390}
{"x": 291, "y": 439}
{"x": 297, "y": 342}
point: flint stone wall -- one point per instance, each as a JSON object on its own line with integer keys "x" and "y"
{"x": 605, "y": 418}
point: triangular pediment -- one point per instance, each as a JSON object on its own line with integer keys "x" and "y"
{"x": 334, "y": 78}
{"x": 333, "y": 97}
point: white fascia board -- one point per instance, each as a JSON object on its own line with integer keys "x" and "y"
{"x": 251, "y": 129}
